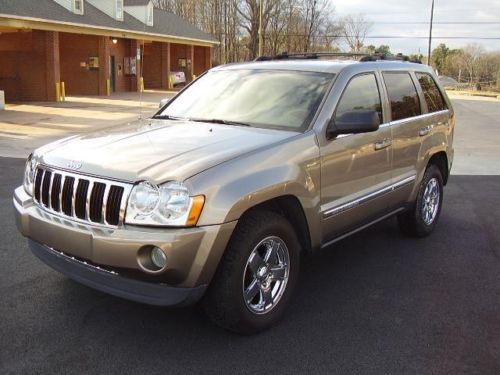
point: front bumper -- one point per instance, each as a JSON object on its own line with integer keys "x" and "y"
{"x": 112, "y": 283}
{"x": 193, "y": 253}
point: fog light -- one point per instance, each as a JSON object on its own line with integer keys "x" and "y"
{"x": 158, "y": 257}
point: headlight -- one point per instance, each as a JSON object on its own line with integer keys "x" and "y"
{"x": 168, "y": 204}
{"x": 29, "y": 174}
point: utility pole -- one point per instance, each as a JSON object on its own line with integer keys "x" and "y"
{"x": 430, "y": 35}
{"x": 260, "y": 28}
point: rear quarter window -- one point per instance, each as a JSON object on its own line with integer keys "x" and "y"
{"x": 402, "y": 95}
{"x": 432, "y": 94}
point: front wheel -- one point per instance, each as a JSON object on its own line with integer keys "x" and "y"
{"x": 421, "y": 220}
{"x": 256, "y": 276}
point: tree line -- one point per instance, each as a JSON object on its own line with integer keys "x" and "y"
{"x": 287, "y": 25}
{"x": 312, "y": 25}
{"x": 471, "y": 65}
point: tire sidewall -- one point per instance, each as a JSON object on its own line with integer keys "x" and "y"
{"x": 421, "y": 226}
{"x": 224, "y": 301}
{"x": 284, "y": 231}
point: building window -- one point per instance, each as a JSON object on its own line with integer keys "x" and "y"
{"x": 150, "y": 16}
{"x": 119, "y": 9}
{"x": 78, "y": 6}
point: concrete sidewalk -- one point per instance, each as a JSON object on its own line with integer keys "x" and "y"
{"x": 27, "y": 126}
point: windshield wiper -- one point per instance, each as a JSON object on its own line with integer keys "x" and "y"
{"x": 168, "y": 117}
{"x": 219, "y": 121}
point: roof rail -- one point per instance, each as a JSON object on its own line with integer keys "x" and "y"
{"x": 363, "y": 57}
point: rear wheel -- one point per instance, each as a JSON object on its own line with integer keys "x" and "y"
{"x": 421, "y": 220}
{"x": 256, "y": 276}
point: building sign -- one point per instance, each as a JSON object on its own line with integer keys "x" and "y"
{"x": 93, "y": 62}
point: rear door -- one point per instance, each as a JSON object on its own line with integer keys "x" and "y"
{"x": 406, "y": 124}
{"x": 438, "y": 116}
{"x": 355, "y": 168}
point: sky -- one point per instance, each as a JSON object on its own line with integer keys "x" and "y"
{"x": 484, "y": 15}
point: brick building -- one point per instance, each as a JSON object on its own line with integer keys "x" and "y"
{"x": 94, "y": 47}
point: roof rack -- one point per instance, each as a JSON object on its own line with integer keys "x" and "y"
{"x": 363, "y": 57}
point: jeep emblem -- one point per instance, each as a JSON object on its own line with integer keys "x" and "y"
{"x": 74, "y": 165}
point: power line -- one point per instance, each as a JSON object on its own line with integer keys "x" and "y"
{"x": 435, "y": 23}
{"x": 426, "y": 37}
{"x": 391, "y": 36}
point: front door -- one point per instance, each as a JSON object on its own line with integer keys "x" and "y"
{"x": 355, "y": 168}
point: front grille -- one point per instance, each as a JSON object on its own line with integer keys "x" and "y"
{"x": 82, "y": 198}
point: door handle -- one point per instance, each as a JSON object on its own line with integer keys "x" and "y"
{"x": 424, "y": 131}
{"x": 380, "y": 145}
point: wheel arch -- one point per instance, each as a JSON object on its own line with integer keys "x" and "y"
{"x": 440, "y": 160}
{"x": 291, "y": 209}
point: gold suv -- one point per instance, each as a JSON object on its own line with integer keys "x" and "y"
{"x": 216, "y": 196}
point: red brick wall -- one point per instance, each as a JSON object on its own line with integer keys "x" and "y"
{"x": 152, "y": 66}
{"x": 75, "y": 48}
{"x": 22, "y": 68}
{"x": 200, "y": 58}
{"x": 29, "y": 65}
{"x": 120, "y": 50}
{"x": 179, "y": 51}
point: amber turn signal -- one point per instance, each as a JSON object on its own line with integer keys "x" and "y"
{"x": 195, "y": 211}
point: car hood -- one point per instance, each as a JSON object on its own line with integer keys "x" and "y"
{"x": 156, "y": 150}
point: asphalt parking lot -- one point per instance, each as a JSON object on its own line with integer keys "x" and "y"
{"x": 376, "y": 302}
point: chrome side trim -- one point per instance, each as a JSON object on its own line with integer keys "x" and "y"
{"x": 405, "y": 120}
{"x": 345, "y": 235}
{"x": 419, "y": 117}
{"x": 366, "y": 198}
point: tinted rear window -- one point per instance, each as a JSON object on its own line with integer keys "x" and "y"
{"x": 402, "y": 95}
{"x": 432, "y": 95}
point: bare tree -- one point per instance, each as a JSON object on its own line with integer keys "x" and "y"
{"x": 470, "y": 57}
{"x": 354, "y": 31}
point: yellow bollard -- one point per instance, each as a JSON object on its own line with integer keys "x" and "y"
{"x": 142, "y": 84}
{"x": 194, "y": 77}
{"x": 63, "y": 91}
{"x": 170, "y": 81}
{"x": 108, "y": 87}
{"x": 58, "y": 91}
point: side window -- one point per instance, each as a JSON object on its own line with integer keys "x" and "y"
{"x": 361, "y": 93}
{"x": 432, "y": 95}
{"x": 402, "y": 95}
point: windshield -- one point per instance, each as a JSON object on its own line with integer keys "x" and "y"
{"x": 264, "y": 98}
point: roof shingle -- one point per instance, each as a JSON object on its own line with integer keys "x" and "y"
{"x": 165, "y": 23}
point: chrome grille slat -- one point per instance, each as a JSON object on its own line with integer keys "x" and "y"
{"x": 38, "y": 184}
{"x": 55, "y": 201}
{"x": 81, "y": 198}
{"x": 44, "y": 190}
{"x": 63, "y": 180}
{"x": 73, "y": 196}
{"x": 51, "y": 182}
{"x": 105, "y": 203}
{"x": 87, "y": 202}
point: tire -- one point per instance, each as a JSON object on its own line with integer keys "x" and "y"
{"x": 422, "y": 218}
{"x": 243, "y": 267}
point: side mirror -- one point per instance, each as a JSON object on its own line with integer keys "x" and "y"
{"x": 353, "y": 122}
{"x": 164, "y": 101}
